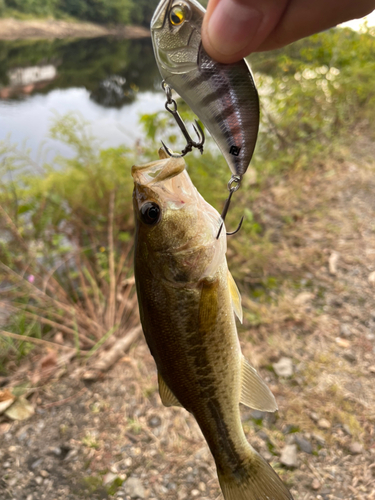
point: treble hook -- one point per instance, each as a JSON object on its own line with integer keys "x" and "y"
{"x": 197, "y": 128}
{"x": 233, "y": 185}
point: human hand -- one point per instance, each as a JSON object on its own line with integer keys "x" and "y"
{"x": 232, "y": 29}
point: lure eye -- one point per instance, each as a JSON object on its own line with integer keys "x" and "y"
{"x": 150, "y": 213}
{"x": 177, "y": 16}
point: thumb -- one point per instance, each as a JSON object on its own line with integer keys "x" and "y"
{"x": 232, "y": 29}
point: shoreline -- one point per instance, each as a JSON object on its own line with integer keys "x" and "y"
{"x": 15, "y": 29}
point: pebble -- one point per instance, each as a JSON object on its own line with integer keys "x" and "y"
{"x": 303, "y": 298}
{"x": 355, "y": 448}
{"x": 44, "y": 473}
{"x": 372, "y": 369}
{"x": 323, "y": 423}
{"x": 332, "y": 262}
{"x": 319, "y": 439}
{"x": 314, "y": 416}
{"x": 345, "y": 330}
{"x": 346, "y": 429}
{"x": 350, "y": 356}
{"x": 289, "y": 456}
{"x": 315, "y": 485}
{"x": 202, "y": 486}
{"x": 29, "y": 497}
{"x": 134, "y": 488}
{"x": 303, "y": 444}
{"x": 195, "y": 493}
{"x": 371, "y": 278}
{"x": 109, "y": 478}
{"x": 39, "y": 480}
{"x": 284, "y": 367}
{"x": 154, "y": 422}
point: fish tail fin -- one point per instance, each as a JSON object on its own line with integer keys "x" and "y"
{"x": 254, "y": 480}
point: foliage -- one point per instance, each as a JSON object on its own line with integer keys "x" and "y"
{"x": 99, "y": 11}
{"x": 86, "y": 63}
{"x": 67, "y": 226}
{"x": 37, "y": 7}
{"x": 65, "y": 241}
{"x": 312, "y": 93}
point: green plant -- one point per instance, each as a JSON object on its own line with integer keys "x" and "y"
{"x": 65, "y": 251}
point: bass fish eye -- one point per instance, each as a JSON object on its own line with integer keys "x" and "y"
{"x": 150, "y": 213}
{"x": 177, "y": 16}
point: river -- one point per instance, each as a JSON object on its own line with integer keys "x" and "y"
{"x": 109, "y": 82}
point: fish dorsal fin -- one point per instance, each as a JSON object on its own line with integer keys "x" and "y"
{"x": 254, "y": 392}
{"x": 166, "y": 395}
{"x": 236, "y": 296}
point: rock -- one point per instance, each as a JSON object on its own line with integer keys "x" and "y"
{"x": 314, "y": 416}
{"x": 195, "y": 493}
{"x": 332, "y": 262}
{"x": 319, "y": 439}
{"x": 154, "y": 421}
{"x": 44, "y": 473}
{"x": 346, "y": 429}
{"x": 21, "y": 409}
{"x": 289, "y": 456}
{"x": 284, "y": 367}
{"x": 134, "y": 488}
{"x": 324, "y": 424}
{"x": 39, "y": 480}
{"x": 355, "y": 448}
{"x": 342, "y": 342}
{"x": 303, "y": 444}
{"x": 372, "y": 369}
{"x": 315, "y": 485}
{"x": 303, "y": 298}
{"x": 109, "y": 478}
{"x": 371, "y": 278}
{"x": 345, "y": 330}
{"x": 350, "y": 356}
{"x": 258, "y": 415}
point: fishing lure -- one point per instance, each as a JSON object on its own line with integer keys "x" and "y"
{"x": 223, "y": 96}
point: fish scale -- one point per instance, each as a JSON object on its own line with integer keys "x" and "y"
{"x": 223, "y": 96}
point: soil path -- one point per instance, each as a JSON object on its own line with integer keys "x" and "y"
{"x": 311, "y": 301}
{"x": 14, "y": 29}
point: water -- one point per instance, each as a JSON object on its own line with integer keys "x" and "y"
{"x": 109, "y": 82}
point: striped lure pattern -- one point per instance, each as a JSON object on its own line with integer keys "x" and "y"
{"x": 223, "y": 96}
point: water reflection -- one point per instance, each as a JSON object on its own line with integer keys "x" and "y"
{"x": 111, "y": 70}
{"x": 109, "y": 82}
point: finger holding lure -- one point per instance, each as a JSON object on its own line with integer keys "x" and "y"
{"x": 223, "y": 96}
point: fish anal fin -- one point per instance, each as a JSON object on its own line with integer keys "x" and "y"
{"x": 255, "y": 481}
{"x": 254, "y": 392}
{"x": 166, "y": 395}
{"x": 236, "y": 297}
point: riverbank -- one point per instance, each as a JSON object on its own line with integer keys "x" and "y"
{"x": 14, "y": 29}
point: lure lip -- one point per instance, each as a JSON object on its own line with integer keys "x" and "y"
{"x": 158, "y": 19}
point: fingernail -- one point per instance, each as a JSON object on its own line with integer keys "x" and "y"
{"x": 232, "y": 26}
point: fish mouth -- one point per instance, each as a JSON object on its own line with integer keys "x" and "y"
{"x": 160, "y": 14}
{"x": 157, "y": 171}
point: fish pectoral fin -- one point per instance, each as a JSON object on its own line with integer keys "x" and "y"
{"x": 236, "y": 296}
{"x": 255, "y": 393}
{"x": 166, "y": 395}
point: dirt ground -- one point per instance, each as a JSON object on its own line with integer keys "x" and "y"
{"x": 312, "y": 303}
{"x": 14, "y": 29}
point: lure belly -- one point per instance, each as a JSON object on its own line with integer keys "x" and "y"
{"x": 223, "y": 96}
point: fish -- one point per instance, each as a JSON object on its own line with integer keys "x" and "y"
{"x": 188, "y": 301}
{"x": 223, "y": 96}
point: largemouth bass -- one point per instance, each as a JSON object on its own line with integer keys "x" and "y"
{"x": 187, "y": 300}
{"x": 223, "y": 96}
